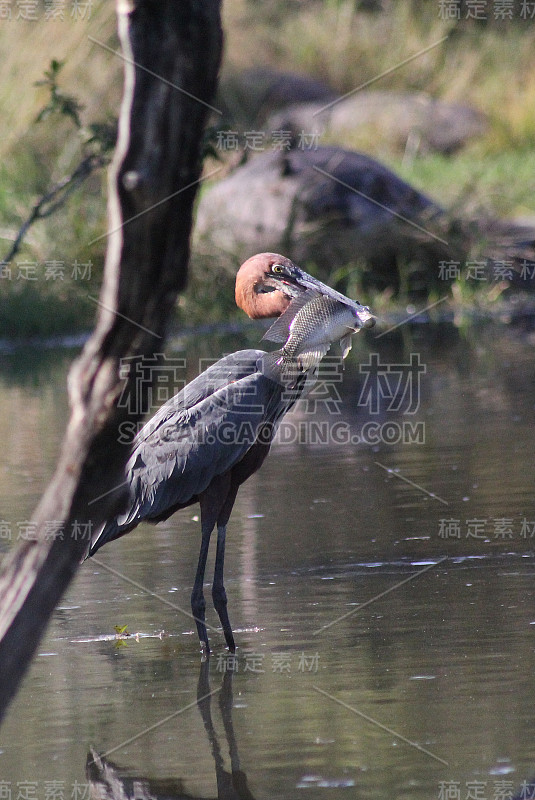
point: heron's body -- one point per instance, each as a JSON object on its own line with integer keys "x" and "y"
{"x": 220, "y": 426}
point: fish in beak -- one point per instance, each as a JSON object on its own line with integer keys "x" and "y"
{"x": 294, "y": 281}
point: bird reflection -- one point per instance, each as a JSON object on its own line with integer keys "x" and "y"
{"x": 108, "y": 781}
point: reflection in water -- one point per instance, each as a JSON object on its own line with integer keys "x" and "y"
{"x": 111, "y": 782}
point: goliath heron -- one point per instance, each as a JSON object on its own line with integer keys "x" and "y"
{"x": 203, "y": 443}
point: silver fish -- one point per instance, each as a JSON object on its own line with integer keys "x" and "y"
{"x": 308, "y": 328}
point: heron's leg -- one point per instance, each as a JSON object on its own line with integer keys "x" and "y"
{"x": 198, "y": 603}
{"x": 219, "y": 594}
{"x": 213, "y": 501}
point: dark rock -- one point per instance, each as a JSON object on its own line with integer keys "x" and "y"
{"x": 399, "y": 119}
{"x": 249, "y": 97}
{"x": 330, "y": 207}
{"x": 333, "y": 207}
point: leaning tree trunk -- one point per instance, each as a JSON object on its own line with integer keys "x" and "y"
{"x": 171, "y": 52}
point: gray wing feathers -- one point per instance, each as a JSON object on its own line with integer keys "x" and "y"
{"x": 230, "y": 368}
{"x": 200, "y": 433}
{"x": 179, "y": 460}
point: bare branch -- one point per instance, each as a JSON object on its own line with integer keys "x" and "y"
{"x": 56, "y": 197}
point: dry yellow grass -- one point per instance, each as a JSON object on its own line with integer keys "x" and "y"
{"x": 494, "y": 68}
{"x": 491, "y": 68}
{"x": 26, "y": 49}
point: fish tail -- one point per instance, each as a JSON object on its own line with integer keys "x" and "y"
{"x": 280, "y": 367}
{"x": 271, "y": 365}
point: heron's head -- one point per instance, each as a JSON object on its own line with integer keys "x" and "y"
{"x": 267, "y": 283}
{"x": 260, "y": 290}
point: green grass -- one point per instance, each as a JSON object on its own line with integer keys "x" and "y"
{"x": 33, "y": 311}
{"x": 491, "y": 67}
{"x": 502, "y": 184}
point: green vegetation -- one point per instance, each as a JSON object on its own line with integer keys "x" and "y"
{"x": 54, "y": 122}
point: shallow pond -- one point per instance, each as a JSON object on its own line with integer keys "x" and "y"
{"x": 381, "y": 581}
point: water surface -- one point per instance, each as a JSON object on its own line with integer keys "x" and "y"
{"x": 381, "y": 592}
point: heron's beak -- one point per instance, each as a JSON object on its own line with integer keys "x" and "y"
{"x": 298, "y": 281}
